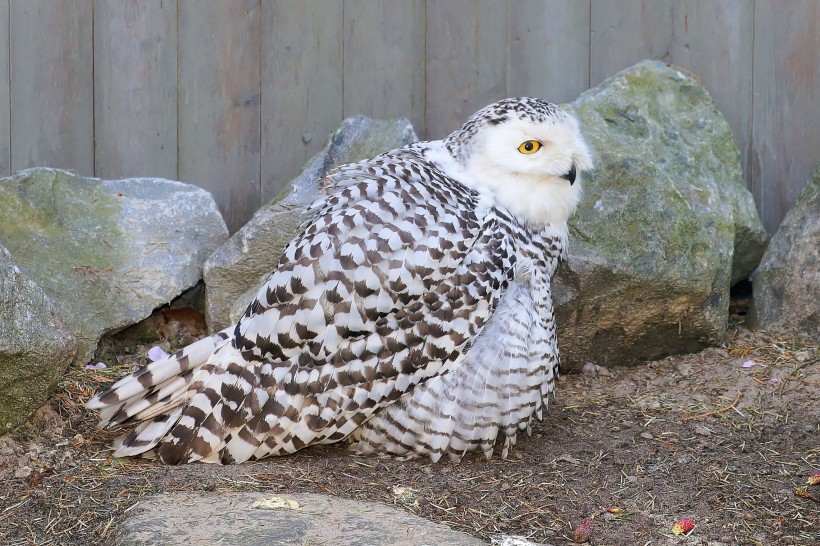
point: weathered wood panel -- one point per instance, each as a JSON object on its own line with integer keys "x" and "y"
{"x": 548, "y": 49}
{"x": 5, "y": 96}
{"x": 301, "y": 85}
{"x": 235, "y": 96}
{"x": 52, "y": 111}
{"x": 384, "y": 59}
{"x": 625, "y": 32}
{"x": 786, "y": 109}
{"x": 135, "y": 88}
{"x": 219, "y": 102}
{"x": 712, "y": 40}
{"x": 466, "y": 60}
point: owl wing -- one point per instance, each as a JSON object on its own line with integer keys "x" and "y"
{"x": 395, "y": 276}
{"x": 389, "y": 238}
{"x": 502, "y": 383}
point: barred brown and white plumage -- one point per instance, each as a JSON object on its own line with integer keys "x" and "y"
{"x": 412, "y": 316}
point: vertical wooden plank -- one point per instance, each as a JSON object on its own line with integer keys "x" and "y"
{"x": 786, "y": 116}
{"x": 625, "y": 32}
{"x": 219, "y": 103}
{"x": 301, "y": 85}
{"x": 548, "y": 49}
{"x": 466, "y": 60}
{"x": 384, "y": 59}
{"x": 714, "y": 40}
{"x": 52, "y": 109}
{"x": 135, "y": 88}
{"x": 5, "y": 97}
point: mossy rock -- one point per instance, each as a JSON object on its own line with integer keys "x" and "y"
{"x": 36, "y": 348}
{"x": 107, "y": 252}
{"x": 666, "y": 225}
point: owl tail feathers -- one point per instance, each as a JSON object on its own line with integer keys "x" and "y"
{"x": 157, "y": 388}
{"x": 145, "y": 436}
{"x": 226, "y": 400}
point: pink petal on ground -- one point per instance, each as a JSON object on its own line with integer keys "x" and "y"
{"x": 97, "y": 366}
{"x": 156, "y": 353}
{"x": 589, "y": 367}
{"x": 748, "y": 363}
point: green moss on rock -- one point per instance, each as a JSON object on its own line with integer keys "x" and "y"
{"x": 107, "y": 252}
{"x": 653, "y": 244}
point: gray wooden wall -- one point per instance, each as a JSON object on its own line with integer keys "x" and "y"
{"x": 234, "y": 95}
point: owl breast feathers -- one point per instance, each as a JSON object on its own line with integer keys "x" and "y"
{"x": 412, "y": 315}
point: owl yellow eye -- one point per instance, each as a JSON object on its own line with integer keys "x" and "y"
{"x": 529, "y": 147}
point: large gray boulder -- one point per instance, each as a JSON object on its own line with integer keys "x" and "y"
{"x": 666, "y": 225}
{"x": 260, "y": 519}
{"x": 237, "y": 269}
{"x": 107, "y": 252}
{"x": 35, "y": 345}
{"x": 787, "y": 284}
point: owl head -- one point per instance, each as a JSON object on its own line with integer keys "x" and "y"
{"x": 528, "y": 153}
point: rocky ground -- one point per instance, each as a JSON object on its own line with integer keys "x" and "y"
{"x": 727, "y": 437}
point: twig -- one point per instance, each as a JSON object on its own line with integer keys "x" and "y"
{"x": 715, "y": 412}
{"x": 802, "y": 492}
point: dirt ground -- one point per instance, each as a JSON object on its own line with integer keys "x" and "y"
{"x": 699, "y": 436}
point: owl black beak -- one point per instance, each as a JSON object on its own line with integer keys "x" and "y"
{"x": 570, "y": 176}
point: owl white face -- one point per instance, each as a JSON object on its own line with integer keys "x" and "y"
{"x": 532, "y": 168}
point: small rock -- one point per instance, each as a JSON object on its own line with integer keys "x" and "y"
{"x": 647, "y": 435}
{"x": 802, "y": 356}
{"x": 703, "y": 431}
{"x": 649, "y": 403}
{"x": 684, "y": 368}
{"x": 22, "y": 472}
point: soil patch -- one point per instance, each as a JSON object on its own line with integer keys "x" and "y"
{"x": 727, "y": 437}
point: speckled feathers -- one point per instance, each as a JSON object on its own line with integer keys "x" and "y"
{"x": 412, "y": 315}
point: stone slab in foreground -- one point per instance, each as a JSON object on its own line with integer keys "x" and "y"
{"x": 257, "y": 519}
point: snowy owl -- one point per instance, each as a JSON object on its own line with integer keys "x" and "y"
{"x": 411, "y": 316}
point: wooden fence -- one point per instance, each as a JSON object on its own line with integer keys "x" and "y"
{"x": 234, "y": 95}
